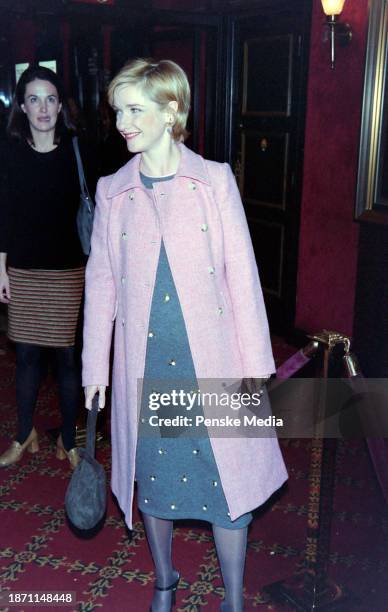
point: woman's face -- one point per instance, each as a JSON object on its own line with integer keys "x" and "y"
{"x": 140, "y": 121}
{"x": 41, "y": 105}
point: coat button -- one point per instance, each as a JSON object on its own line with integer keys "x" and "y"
{"x": 192, "y": 186}
{"x": 131, "y": 196}
{"x": 204, "y": 227}
{"x": 123, "y": 280}
{"x": 123, "y": 322}
{"x": 124, "y": 236}
{"x": 220, "y": 310}
{"x": 167, "y": 297}
{"x": 150, "y": 334}
{"x": 172, "y": 362}
{"x": 211, "y": 270}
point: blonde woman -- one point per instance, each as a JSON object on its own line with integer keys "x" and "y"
{"x": 172, "y": 262}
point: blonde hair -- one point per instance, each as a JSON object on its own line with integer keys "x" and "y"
{"x": 163, "y": 81}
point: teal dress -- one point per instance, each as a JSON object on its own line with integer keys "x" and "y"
{"x": 177, "y": 476}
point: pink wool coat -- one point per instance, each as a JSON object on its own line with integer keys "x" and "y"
{"x": 200, "y": 216}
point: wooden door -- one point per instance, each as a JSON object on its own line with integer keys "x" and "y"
{"x": 269, "y": 71}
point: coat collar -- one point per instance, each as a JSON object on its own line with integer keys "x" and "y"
{"x": 191, "y": 166}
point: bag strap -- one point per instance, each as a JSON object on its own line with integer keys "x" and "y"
{"x": 91, "y": 428}
{"x": 81, "y": 173}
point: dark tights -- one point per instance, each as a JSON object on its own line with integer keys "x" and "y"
{"x": 29, "y": 370}
{"x": 231, "y": 545}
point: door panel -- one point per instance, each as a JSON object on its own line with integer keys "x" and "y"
{"x": 271, "y": 93}
{"x": 264, "y": 154}
{"x": 270, "y": 75}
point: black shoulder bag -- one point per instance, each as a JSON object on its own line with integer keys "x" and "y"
{"x": 85, "y": 213}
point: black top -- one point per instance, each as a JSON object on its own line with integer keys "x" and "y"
{"x": 39, "y": 199}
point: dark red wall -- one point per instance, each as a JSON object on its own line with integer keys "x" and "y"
{"x": 329, "y": 235}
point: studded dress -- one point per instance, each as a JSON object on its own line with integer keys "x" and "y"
{"x": 177, "y": 476}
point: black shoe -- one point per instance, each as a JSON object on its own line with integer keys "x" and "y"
{"x": 173, "y": 587}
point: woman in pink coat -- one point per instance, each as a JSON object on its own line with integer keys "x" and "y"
{"x": 172, "y": 263}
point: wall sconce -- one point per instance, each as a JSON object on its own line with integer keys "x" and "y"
{"x": 337, "y": 29}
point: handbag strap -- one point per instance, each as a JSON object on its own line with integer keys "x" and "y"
{"x": 81, "y": 173}
{"x": 91, "y": 428}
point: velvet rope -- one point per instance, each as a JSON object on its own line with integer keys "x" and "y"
{"x": 378, "y": 447}
{"x": 292, "y": 365}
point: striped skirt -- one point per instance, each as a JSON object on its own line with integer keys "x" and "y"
{"x": 44, "y": 306}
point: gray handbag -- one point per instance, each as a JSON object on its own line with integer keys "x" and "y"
{"x": 86, "y": 495}
{"x": 85, "y": 214}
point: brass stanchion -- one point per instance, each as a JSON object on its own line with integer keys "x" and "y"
{"x": 310, "y": 588}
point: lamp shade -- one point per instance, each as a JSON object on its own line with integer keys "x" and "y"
{"x": 332, "y": 7}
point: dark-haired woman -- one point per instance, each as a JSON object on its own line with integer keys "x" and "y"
{"x": 41, "y": 261}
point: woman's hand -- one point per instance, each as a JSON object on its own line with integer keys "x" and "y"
{"x": 5, "y": 293}
{"x": 90, "y": 392}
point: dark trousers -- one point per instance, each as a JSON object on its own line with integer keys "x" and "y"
{"x": 29, "y": 370}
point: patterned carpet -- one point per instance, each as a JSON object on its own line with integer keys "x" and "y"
{"x": 110, "y": 573}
